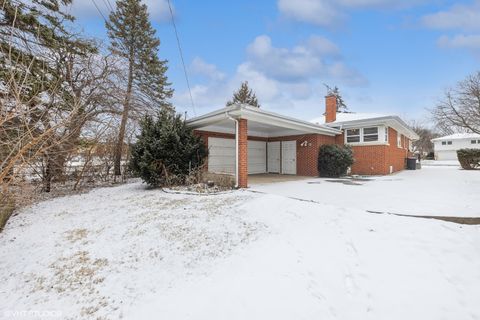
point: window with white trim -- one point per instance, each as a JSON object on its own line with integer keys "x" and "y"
{"x": 449, "y": 142}
{"x": 473, "y": 141}
{"x": 386, "y": 134}
{"x": 399, "y": 140}
{"x": 444, "y": 143}
{"x": 353, "y": 135}
{"x": 362, "y": 135}
{"x": 370, "y": 134}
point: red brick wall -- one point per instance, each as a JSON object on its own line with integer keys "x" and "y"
{"x": 395, "y": 156}
{"x": 330, "y": 108}
{"x": 243, "y": 153}
{"x": 369, "y": 160}
{"x": 376, "y": 160}
{"x": 306, "y": 155}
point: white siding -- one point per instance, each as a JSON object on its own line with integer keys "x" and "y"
{"x": 257, "y": 157}
{"x": 274, "y": 157}
{"x": 221, "y": 157}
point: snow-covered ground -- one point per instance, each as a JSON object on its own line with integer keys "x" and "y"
{"x": 453, "y": 163}
{"x": 433, "y": 190}
{"x": 131, "y": 253}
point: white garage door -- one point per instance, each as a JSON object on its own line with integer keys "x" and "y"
{"x": 257, "y": 157}
{"x": 289, "y": 157}
{"x": 274, "y": 157}
{"x": 447, "y": 155}
{"x": 221, "y": 157}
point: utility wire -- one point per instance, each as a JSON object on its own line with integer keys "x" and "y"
{"x": 178, "y": 43}
{"x": 99, "y": 11}
{"x": 181, "y": 57}
{"x": 110, "y": 5}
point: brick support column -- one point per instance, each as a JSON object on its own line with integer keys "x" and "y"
{"x": 242, "y": 153}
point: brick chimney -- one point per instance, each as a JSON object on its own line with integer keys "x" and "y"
{"x": 330, "y": 108}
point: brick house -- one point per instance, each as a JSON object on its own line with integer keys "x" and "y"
{"x": 244, "y": 140}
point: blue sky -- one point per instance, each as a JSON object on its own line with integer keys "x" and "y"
{"x": 384, "y": 56}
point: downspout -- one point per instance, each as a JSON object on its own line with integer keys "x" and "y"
{"x": 236, "y": 147}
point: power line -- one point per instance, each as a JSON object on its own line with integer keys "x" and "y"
{"x": 110, "y": 5}
{"x": 99, "y": 11}
{"x": 181, "y": 57}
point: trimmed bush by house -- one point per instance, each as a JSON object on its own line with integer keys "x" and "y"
{"x": 167, "y": 151}
{"x": 334, "y": 160}
{"x": 469, "y": 158}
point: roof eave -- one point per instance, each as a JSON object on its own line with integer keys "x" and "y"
{"x": 387, "y": 120}
{"x": 255, "y": 114}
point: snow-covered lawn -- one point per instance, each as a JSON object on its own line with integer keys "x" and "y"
{"x": 131, "y": 253}
{"x": 437, "y": 190}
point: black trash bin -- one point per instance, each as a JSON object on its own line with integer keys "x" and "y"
{"x": 411, "y": 163}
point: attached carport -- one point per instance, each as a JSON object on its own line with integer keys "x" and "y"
{"x": 245, "y": 140}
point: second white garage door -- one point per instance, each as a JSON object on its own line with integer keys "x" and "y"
{"x": 446, "y": 155}
{"x": 257, "y": 157}
{"x": 221, "y": 157}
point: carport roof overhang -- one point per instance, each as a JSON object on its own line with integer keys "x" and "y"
{"x": 260, "y": 118}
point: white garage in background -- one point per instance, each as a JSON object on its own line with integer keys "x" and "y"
{"x": 221, "y": 157}
{"x": 446, "y": 147}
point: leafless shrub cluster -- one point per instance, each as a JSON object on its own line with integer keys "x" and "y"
{"x": 60, "y": 99}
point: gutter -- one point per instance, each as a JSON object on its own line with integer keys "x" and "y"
{"x": 236, "y": 146}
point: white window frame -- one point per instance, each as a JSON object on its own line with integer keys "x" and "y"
{"x": 361, "y": 136}
{"x": 473, "y": 141}
{"x": 386, "y": 135}
{"x": 399, "y": 140}
{"x": 370, "y": 134}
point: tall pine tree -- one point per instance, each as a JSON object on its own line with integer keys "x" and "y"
{"x": 133, "y": 38}
{"x": 244, "y": 95}
{"x": 31, "y": 33}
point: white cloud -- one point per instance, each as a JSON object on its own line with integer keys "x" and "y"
{"x": 348, "y": 75}
{"x": 320, "y": 12}
{"x": 309, "y": 59}
{"x": 457, "y": 17}
{"x": 465, "y": 17}
{"x": 333, "y": 12}
{"x": 281, "y": 77}
{"x": 460, "y": 41}
{"x": 200, "y": 67}
{"x": 322, "y": 45}
{"x": 158, "y": 9}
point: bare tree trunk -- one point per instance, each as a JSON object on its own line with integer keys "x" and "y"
{"x": 47, "y": 177}
{"x": 123, "y": 124}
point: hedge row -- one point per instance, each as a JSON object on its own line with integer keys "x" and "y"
{"x": 469, "y": 158}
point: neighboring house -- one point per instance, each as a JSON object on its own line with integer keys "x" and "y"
{"x": 446, "y": 147}
{"x": 245, "y": 140}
